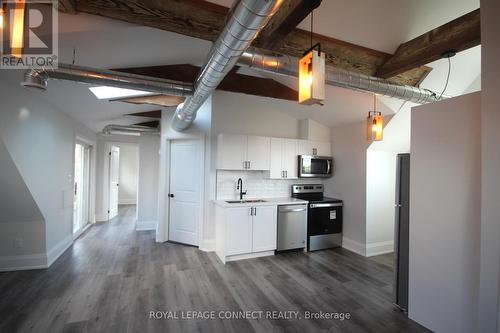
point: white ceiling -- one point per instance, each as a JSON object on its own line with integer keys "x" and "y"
{"x": 379, "y": 24}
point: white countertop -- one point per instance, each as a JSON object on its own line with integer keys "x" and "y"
{"x": 268, "y": 202}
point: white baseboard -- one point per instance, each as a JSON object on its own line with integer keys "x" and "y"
{"x": 131, "y": 201}
{"x": 353, "y": 246}
{"x": 59, "y": 249}
{"x": 101, "y": 217}
{"x": 145, "y": 225}
{"x": 375, "y": 249}
{"x": 23, "y": 262}
{"x": 207, "y": 245}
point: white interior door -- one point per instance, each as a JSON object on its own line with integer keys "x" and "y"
{"x": 186, "y": 174}
{"x": 114, "y": 179}
{"x": 81, "y": 188}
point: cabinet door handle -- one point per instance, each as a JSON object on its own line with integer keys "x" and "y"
{"x": 249, "y": 165}
{"x": 286, "y": 174}
{"x": 255, "y": 211}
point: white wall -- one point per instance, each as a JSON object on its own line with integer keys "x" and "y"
{"x": 348, "y": 183}
{"x": 147, "y": 192}
{"x": 380, "y": 199}
{"x": 490, "y": 163}
{"x": 20, "y": 217}
{"x": 40, "y": 139}
{"x": 129, "y": 172}
{"x": 445, "y": 214}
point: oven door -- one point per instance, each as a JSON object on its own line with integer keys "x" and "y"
{"x": 324, "y": 218}
{"x": 315, "y": 166}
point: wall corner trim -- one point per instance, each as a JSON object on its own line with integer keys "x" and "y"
{"x": 354, "y": 246}
{"x": 207, "y": 245}
{"x": 54, "y": 253}
{"x": 378, "y": 248}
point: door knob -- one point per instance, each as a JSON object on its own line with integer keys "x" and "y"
{"x": 170, "y": 195}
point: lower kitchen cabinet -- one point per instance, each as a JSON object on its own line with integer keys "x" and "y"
{"x": 245, "y": 232}
{"x": 264, "y": 229}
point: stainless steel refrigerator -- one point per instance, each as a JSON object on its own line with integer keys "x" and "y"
{"x": 401, "y": 238}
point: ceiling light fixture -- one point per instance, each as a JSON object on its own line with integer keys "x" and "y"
{"x": 105, "y": 92}
{"x": 312, "y": 73}
{"x": 375, "y": 123}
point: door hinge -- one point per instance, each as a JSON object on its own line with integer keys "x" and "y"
{"x": 109, "y": 153}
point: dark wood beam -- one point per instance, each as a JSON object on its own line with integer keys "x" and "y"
{"x": 148, "y": 114}
{"x": 160, "y": 100}
{"x": 290, "y": 14}
{"x": 457, "y": 35}
{"x": 67, "y": 6}
{"x": 204, "y": 20}
{"x": 233, "y": 81}
{"x": 152, "y": 124}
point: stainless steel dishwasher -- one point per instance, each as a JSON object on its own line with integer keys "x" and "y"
{"x": 292, "y": 227}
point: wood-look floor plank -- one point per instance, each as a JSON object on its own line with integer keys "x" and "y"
{"x": 113, "y": 277}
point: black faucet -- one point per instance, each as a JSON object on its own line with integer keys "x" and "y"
{"x": 240, "y": 187}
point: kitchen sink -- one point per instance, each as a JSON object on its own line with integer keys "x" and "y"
{"x": 245, "y": 201}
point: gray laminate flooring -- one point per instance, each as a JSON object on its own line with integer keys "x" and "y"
{"x": 113, "y": 277}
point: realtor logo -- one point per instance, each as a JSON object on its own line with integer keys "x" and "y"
{"x": 28, "y": 34}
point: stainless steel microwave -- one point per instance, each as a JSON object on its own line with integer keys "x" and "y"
{"x": 315, "y": 166}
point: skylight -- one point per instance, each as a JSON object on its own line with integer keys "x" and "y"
{"x": 104, "y": 92}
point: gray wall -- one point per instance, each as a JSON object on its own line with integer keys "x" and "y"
{"x": 40, "y": 139}
{"x": 490, "y": 163}
{"x": 445, "y": 214}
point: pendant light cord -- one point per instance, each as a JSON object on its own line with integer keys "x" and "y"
{"x": 447, "y": 78}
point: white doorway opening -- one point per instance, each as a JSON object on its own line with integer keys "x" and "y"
{"x": 123, "y": 176}
{"x": 186, "y": 191}
{"x": 81, "y": 188}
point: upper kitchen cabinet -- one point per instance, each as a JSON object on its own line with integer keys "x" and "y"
{"x": 284, "y": 158}
{"x": 242, "y": 152}
{"x": 315, "y": 148}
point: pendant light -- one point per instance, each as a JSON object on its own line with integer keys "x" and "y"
{"x": 375, "y": 123}
{"x": 312, "y": 73}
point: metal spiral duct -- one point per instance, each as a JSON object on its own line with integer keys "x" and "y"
{"x": 245, "y": 20}
{"x": 37, "y": 78}
{"x": 275, "y": 63}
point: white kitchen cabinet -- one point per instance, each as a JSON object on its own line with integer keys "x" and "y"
{"x": 307, "y": 147}
{"x": 264, "y": 231}
{"x": 242, "y": 152}
{"x": 258, "y": 152}
{"x": 284, "y": 158}
{"x": 245, "y": 232}
{"x": 238, "y": 230}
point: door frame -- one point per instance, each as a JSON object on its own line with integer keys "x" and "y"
{"x": 107, "y": 170}
{"x": 91, "y": 144}
{"x": 201, "y": 142}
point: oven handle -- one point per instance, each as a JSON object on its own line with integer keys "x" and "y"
{"x": 322, "y": 205}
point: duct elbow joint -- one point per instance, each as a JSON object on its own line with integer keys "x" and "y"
{"x": 35, "y": 79}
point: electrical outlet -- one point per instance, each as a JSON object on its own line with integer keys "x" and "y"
{"x": 18, "y": 243}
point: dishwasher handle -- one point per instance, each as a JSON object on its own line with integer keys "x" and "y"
{"x": 286, "y": 209}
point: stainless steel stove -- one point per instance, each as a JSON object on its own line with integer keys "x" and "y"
{"x": 324, "y": 217}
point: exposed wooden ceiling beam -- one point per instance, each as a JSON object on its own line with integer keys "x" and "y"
{"x": 147, "y": 114}
{"x": 457, "y": 35}
{"x": 204, "y": 20}
{"x": 233, "y": 81}
{"x": 67, "y": 6}
{"x": 160, "y": 100}
{"x": 290, "y": 14}
{"x": 152, "y": 123}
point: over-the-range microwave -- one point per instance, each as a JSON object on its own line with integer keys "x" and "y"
{"x": 315, "y": 166}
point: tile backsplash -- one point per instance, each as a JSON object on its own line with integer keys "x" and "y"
{"x": 256, "y": 183}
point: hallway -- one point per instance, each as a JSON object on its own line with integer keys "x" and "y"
{"x": 113, "y": 276}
